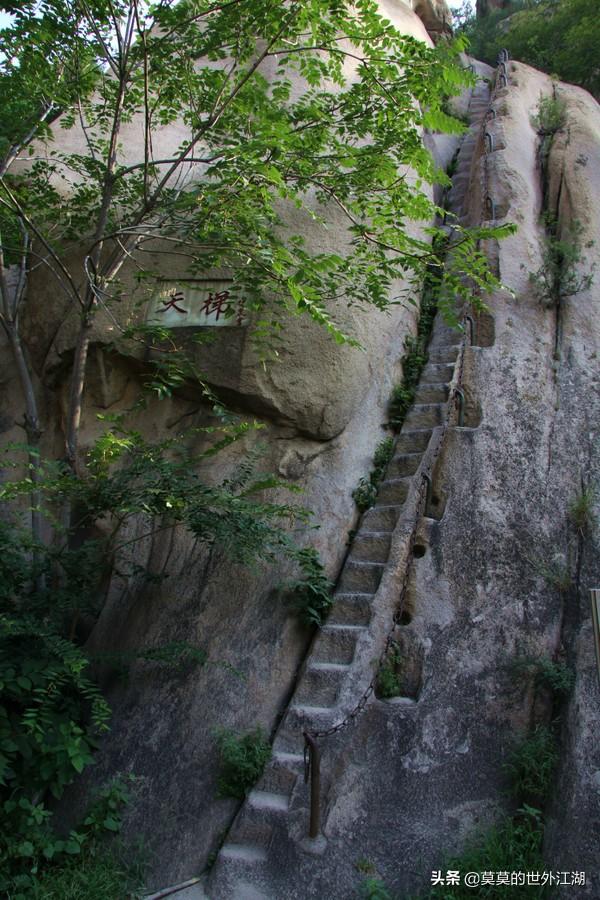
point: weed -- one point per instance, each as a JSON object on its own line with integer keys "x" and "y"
{"x": 581, "y": 510}
{"x": 242, "y": 761}
{"x": 389, "y": 682}
{"x": 532, "y": 763}
{"x": 97, "y": 873}
{"x": 365, "y": 866}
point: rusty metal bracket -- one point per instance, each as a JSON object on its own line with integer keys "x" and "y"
{"x": 491, "y": 112}
{"x": 490, "y": 207}
{"x": 312, "y": 769}
{"x": 471, "y": 322}
{"x": 460, "y": 402}
{"x": 503, "y": 78}
{"x": 490, "y": 141}
{"x": 427, "y": 480}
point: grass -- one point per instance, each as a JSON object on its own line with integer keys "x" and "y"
{"x": 389, "y": 682}
{"x": 98, "y": 873}
{"x": 531, "y": 765}
{"x": 557, "y": 677}
{"x": 515, "y": 845}
{"x": 242, "y": 761}
{"x": 365, "y": 494}
{"x": 581, "y": 510}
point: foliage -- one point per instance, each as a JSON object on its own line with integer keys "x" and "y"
{"x": 556, "y": 676}
{"x": 551, "y": 114}
{"x": 514, "y": 845}
{"x": 560, "y": 37}
{"x": 581, "y": 509}
{"x": 242, "y": 761}
{"x": 374, "y": 889}
{"x": 389, "y": 680}
{"x": 365, "y": 494}
{"x": 34, "y": 859}
{"x": 311, "y": 594}
{"x": 98, "y": 873}
{"x": 532, "y": 763}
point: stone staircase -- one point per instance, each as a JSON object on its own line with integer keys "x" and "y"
{"x": 339, "y": 665}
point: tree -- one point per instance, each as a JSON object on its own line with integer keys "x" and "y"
{"x": 557, "y": 36}
{"x": 250, "y": 144}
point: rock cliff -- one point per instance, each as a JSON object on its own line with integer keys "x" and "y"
{"x": 457, "y": 562}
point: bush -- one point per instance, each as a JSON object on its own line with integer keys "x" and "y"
{"x": 365, "y": 494}
{"x": 581, "y": 510}
{"x": 551, "y": 114}
{"x": 311, "y": 594}
{"x": 242, "y": 761}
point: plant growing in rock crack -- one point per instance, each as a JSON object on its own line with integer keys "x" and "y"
{"x": 555, "y": 572}
{"x": 556, "y": 676}
{"x": 581, "y": 509}
{"x": 551, "y": 114}
{"x": 242, "y": 759}
{"x": 389, "y": 677}
{"x": 531, "y": 765}
{"x": 366, "y": 493}
{"x": 312, "y": 594}
{"x": 559, "y": 275}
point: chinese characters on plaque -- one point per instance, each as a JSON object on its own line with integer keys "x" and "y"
{"x": 181, "y": 304}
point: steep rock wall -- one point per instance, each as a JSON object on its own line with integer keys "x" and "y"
{"x": 415, "y": 779}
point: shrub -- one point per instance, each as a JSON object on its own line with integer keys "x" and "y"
{"x": 551, "y": 114}
{"x": 311, "y": 594}
{"x": 242, "y": 761}
{"x": 557, "y": 677}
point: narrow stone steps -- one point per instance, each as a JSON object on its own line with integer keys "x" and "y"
{"x": 371, "y": 546}
{"x": 360, "y": 576}
{"x": 349, "y": 609}
{"x": 321, "y": 686}
{"x": 431, "y": 393}
{"x": 248, "y": 853}
{"x": 268, "y": 800}
{"x": 393, "y": 490}
{"x": 381, "y": 517}
{"x": 425, "y": 414}
{"x": 413, "y": 441}
{"x": 403, "y": 464}
{"x": 336, "y": 643}
{"x": 444, "y": 353}
{"x": 433, "y": 373}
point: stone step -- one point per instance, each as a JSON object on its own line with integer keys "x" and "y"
{"x": 350, "y": 609}
{"x": 425, "y": 414}
{"x": 371, "y": 546}
{"x": 360, "y": 577}
{"x": 433, "y": 373}
{"x": 380, "y": 518}
{"x": 444, "y": 353}
{"x": 404, "y": 464}
{"x": 431, "y": 393}
{"x": 320, "y": 686}
{"x": 279, "y": 777}
{"x": 336, "y": 643}
{"x": 247, "y": 853}
{"x": 289, "y": 738}
{"x": 250, "y": 829}
{"x": 413, "y": 441}
{"x": 395, "y": 490}
{"x": 268, "y": 801}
